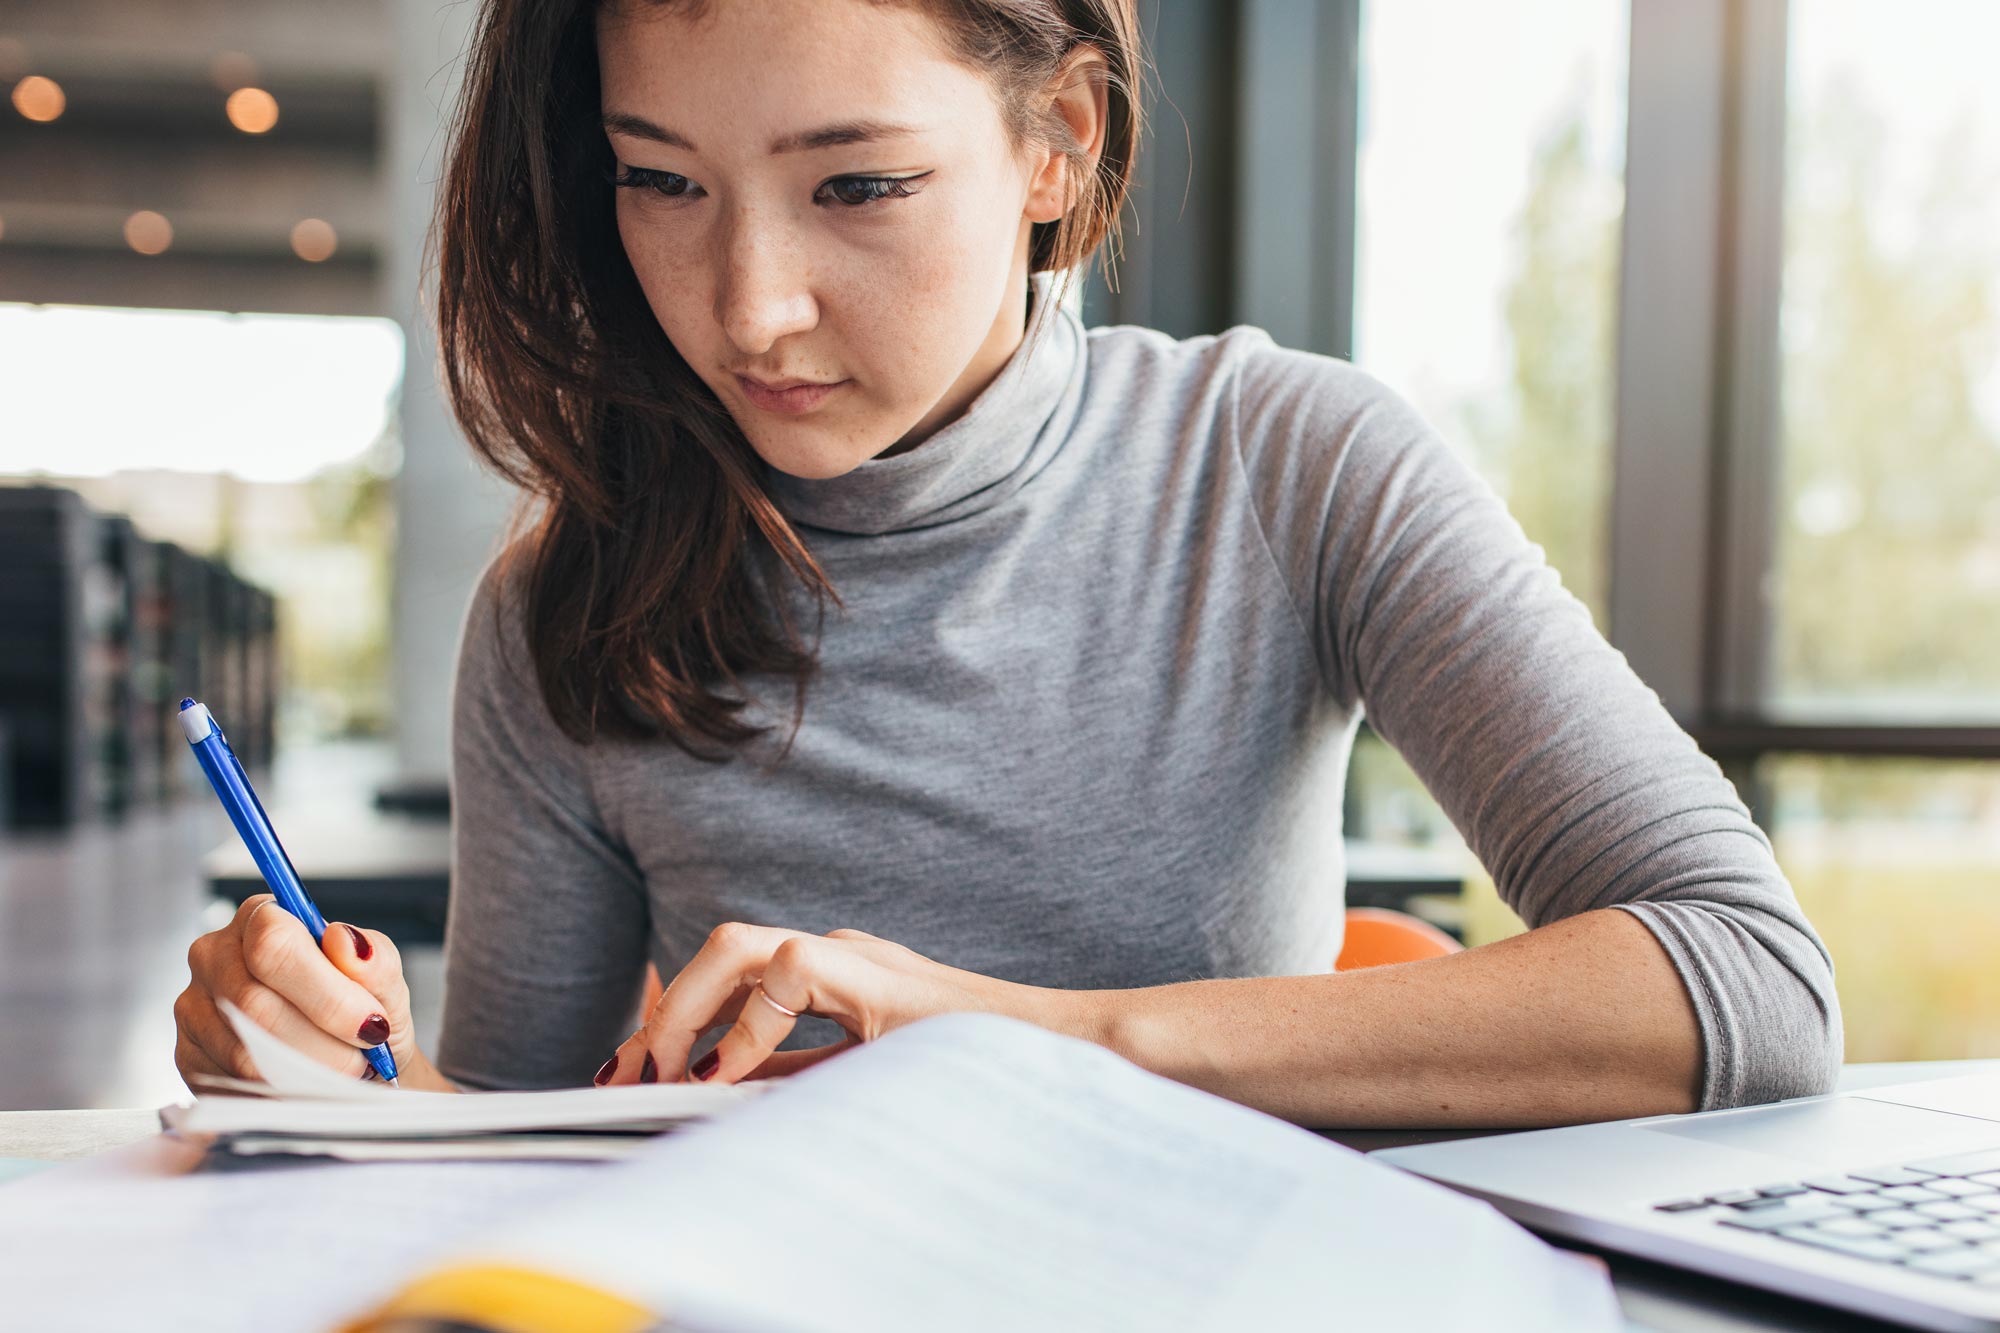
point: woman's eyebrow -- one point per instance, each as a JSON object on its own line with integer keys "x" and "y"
{"x": 826, "y": 136}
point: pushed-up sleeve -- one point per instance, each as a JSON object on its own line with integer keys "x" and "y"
{"x": 545, "y": 939}
{"x": 1569, "y": 780}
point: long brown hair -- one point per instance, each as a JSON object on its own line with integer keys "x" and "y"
{"x": 644, "y": 567}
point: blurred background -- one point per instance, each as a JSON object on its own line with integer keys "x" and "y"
{"x": 1708, "y": 289}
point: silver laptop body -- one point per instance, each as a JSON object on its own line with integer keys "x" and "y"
{"x": 1881, "y": 1200}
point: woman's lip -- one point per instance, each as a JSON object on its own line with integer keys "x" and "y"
{"x": 791, "y": 402}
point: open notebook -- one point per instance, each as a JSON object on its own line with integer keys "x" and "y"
{"x": 302, "y": 1108}
{"x": 969, "y": 1172}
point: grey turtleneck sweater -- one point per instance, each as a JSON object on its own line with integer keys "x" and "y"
{"x": 1085, "y": 723}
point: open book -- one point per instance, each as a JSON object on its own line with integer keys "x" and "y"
{"x": 302, "y": 1108}
{"x": 974, "y": 1172}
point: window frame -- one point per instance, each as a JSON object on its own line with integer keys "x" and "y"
{"x": 1246, "y": 178}
{"x": 1706, "y": 118}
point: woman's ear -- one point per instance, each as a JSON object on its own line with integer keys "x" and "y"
{"x": 1078, "y": 96}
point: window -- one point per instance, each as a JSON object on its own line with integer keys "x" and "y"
{"x": 1897, "y": 864}
{"x": 1879, "y": 604}
{"x": 1487, "y": 267}
{"x": 1885, "y": 594}
{"x": 268, "y": 440}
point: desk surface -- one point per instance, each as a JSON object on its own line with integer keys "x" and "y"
{"x": 1653, "y": 1296}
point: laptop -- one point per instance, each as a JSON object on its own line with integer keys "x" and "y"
{"x": 1885, "y": 1201}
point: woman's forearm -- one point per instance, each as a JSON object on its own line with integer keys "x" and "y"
{"x": 1583, "y": 1019}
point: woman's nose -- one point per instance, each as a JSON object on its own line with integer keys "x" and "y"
{"x": 763, "y": 293}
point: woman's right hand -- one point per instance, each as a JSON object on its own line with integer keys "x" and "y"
{"x": 330, "y": 1001}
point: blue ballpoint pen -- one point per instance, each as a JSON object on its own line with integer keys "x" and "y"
{"x": 232, "y": 785}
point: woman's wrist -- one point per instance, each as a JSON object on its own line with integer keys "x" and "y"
{"x": 1086, "y": 1014}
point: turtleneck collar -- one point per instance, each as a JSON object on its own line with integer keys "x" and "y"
{"x": 1007, "y": 434}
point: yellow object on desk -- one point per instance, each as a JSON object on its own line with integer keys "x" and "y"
{"x": 511, "y": 1300}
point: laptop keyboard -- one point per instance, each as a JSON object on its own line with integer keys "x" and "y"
{"x": 1940, "y": 1217}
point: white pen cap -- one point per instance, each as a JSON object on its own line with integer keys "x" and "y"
{"x": 196, "y": 722}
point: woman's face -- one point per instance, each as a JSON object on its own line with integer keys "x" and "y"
{"x": 814, "y": 193}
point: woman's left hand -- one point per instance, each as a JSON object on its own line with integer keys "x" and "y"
{"x": 866, "y": 984}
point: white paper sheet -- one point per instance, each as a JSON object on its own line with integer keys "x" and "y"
{"x": 975, "y": 1173}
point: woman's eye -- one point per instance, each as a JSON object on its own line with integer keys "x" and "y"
{"x": 854, "y": 191}
{"x": 664, "y": 183}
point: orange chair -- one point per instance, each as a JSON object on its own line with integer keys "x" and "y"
{"x": 1377, "y": 936}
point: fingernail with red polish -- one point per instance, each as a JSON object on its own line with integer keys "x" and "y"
{"x": 706, "y": 1065}
{"x": 374, "y": 1030}
{"x": 606, "y": 1070}
{"x": 362, "y": 948}
{"x": 649, "y": 1072}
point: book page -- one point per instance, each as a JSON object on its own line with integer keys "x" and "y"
{"x": 293, "y": 1249}
{"x": 975, "y": 1172}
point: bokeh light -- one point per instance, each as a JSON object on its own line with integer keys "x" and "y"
{"x": 252, "y": 110}
{"x": 148, "y": 232}
{"x": 313, "y": 239}
{"x": 39, "y": 98}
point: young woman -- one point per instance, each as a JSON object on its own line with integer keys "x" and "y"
{"x": 883, "y": 643}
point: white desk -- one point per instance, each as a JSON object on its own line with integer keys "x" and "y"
{"x": 1653, "y": 1296}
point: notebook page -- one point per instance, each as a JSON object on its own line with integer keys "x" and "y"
{"x": 975, "y": 1172}
{"x": 290, "y": 1073}
{"x": 312, "y": 1099}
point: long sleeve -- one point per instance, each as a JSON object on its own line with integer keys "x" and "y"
{"x": 545, "y": 942}
{"x": 1563, "y": 771}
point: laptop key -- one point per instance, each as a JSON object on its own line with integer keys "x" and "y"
{"x": 1991, "y": 1178}
{"x": 1863, "y": 1203}
{"x": 1948, "y": 1211}
{"x": 1976, "y": 1231}
{"x": 1733, "y": 1196}
{"x": 1985, "y": 1203}
{"x": 1679, "y": 1205}
{"x": 1842, "y": 1185}
{"x": 1958, "y": 1189}
{"x": 1785, "y": 1214}
{"x": 1960, "y": 1164}
{"x": 1913, "y": 1194}
{"x": 1860, "y": 1247}
{"x": 1954, "y": 1263}
{"x": 1852, "y": 1226}
{"x": 1900, "y": 1218}
{"x": 1785, "y": 1191}
{"x": 1926, "y": 1240}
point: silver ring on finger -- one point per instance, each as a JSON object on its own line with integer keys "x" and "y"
{"x": 788, "y": 1013}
